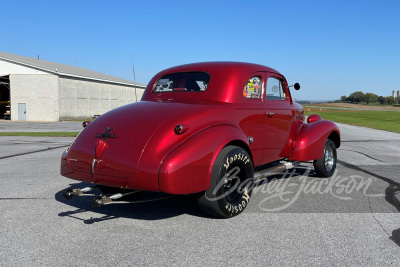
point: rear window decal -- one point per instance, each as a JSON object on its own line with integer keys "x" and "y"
{"x": 253, "y": 88}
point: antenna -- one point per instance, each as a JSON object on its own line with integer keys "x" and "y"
{"x": 134, "y": 77}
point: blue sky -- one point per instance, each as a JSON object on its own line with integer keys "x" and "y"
{"x": 332, "y": 48}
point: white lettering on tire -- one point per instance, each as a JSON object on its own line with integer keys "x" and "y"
{"x": 239, "y": 156}
{"x": 236, "y": 208}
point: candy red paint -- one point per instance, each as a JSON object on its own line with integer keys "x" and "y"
{"x": 145, "y": 152}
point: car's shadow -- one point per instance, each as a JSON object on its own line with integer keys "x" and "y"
{"x": 155, "y": 206}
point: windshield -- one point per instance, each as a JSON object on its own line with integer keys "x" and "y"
{"x": 183, "y": 81}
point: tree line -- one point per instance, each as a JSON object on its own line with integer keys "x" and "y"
{"x": 360, "y": 97}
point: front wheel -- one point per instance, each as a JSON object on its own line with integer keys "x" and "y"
{"x": 231, "y": 184}
{"x": 325, "y": 166}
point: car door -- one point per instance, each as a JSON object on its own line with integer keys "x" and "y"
{"x": 251, "y": 113}
{"x": 278, "y": 117}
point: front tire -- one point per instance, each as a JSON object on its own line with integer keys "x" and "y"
{"x": 231, "y": 184}
{"x": 325, "y": 166}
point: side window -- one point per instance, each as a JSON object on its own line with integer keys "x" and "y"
{"x": 253, "y": 88}
{"x": 275, "y": 89}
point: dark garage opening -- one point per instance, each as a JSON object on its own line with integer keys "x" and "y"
{"x": 5, "y": 107}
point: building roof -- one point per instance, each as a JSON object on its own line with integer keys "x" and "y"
{"x": 64, "y": 70}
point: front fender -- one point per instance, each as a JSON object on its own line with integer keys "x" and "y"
{"x": 310, "y": 140}
{"x": 187, "y": 169}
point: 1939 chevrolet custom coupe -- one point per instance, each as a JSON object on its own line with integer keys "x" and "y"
{"x": 201, "y": 129}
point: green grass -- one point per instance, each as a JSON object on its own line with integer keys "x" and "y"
{"x": 47, "y": 134}
{"x": 383, "y": 120}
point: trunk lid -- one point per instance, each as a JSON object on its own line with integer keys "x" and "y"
{"x": 112, "y": 144}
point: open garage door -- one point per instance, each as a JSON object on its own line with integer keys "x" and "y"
{"x": 5, "y": 107}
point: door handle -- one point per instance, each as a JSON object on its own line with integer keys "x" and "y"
{"x": 270, "y": 114}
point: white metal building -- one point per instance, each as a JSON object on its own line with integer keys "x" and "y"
{"x": 37, "y": 90}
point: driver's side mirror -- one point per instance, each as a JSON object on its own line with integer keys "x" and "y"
{"x": 296, "y": 86}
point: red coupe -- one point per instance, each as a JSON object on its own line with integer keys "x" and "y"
{"x": 201, "y": 129}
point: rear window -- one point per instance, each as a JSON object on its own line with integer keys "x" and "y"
{"x": 182, "y": 82}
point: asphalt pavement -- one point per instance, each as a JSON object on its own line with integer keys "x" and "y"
{"x": 292, "y": 219}
{"x": 18, "y": 126}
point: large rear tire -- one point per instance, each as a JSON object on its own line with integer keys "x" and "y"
{"x": 326, "y": 166}
{"x": 231, "y": 184}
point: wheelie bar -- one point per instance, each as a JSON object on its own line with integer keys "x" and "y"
{"x": 69, "y": 193}
{"x": 97, "y": 201}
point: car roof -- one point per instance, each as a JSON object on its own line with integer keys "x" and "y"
{"x": 226, "y": 81}
{"x": 219, "y": 65}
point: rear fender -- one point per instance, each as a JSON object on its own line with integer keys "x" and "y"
{"x": 187, "y": 169}
{"x": 311, "y": 138}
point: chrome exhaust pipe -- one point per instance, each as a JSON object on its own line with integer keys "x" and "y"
{"x": 282, "y": 167}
